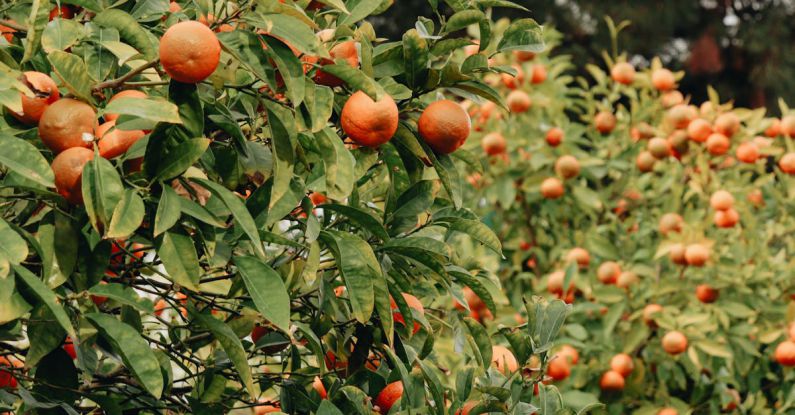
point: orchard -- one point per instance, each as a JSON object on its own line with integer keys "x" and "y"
{"x": 255, "y": 207}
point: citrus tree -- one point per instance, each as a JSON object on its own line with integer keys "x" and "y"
{"x": 664, "y": 224}
{"x": 213, "y": 207}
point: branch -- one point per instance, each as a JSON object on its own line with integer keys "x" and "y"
{"x": 13, "y": 25}
{"x": 115, "y": 83}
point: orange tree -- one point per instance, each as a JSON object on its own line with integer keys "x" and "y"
{"x": 664, "y": 224}
{"x": 213, "y": 207}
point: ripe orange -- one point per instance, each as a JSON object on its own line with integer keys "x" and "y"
{"x": 788, "y": 126}
{"x": 774, "y": 130}
{"x": 747, "y": 152}
{"x": 45, "y": 93}
{"x": 472, "y": 299}
{"x": 649, "y": 313}
{"x": 552, "y": 188}
{"x": 622, "y": 363}
{"x": 539, "y": 74}
{"x": 623, "y": 73}
{"x": 726, "y": 218}
{"x": 114, "y": 142}
{"x": 412, "y": 302}
{"x": 696, "y": 255}
{"x": 663, "y": 79}
{"x": 554, "y": 136}
{"x": 672, "y": 98}
{"x": 756, "y": 198}
{"x": 555, "y": 282}
{"x": 670, "y": 222}
{"x": 367, "y": 122}
{"x": 466, "y": 407}
{"x": 674, "y": 342}
{"x": 569, "y": 354}
{"x": 718, "y": 144}
{"x": 706, "y": 109}
{"x": 699, "y": 130}
{"x": 605, "y": 122}
{"x": 64, "y": 11}
{"x": 706, "y": 294}
{"x": 266, "y": 408}
{"x": 580, "y": 256}
{"x": 68, "y": 169}
{"x": 668, "y": 411}
{"x": 494, "y": 144}
{"x": 174, "y": 7}
{"x": 558, "y": 368}
{"x": 99, "y": 299}
{"x": 342, "y": 51}
{"x": 659, "y": 148}
{"x": 681, "y": 115}
{"x": 504, "y": 360}
{"x": 160, "y": 306}
{"x": 787, "y": 163}
{"x": 645, "y": 161}
{"x": 189, "y": 52}
{"x": 567, "y": 167}
{"x": 444, "y": 126}
{"x": 317, "y": 198}
{"x": 127, "y": 93}
{"x": 626, "y": 278}
{"x": 7, "y": 32}
{"x": 721, "y": 200}
{"x": 785, "y": 353}
{"x": 317, "y": 385}
{"x": 518, "y": 101}
{"x": 727, "y": 124}
{"x": 612, "y": 381}
{"x": 513, "y": 82}
{"x": 7, "y": 380}
{"x": 388, "y": 396}
{"x": 608, "y": 272}
{"x": 67, "y": 123}
{"x": 524, "y": 56}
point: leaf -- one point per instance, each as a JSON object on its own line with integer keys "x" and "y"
{"x": 282, "y": 128}
{"x": 60, "y": 34}
{"x": 358, "y": 266}
{"x": 12, "y": 247}
{"x": 383, "y": 306}
{"x": 180, "y": 158}
{"x": 359, "y": 9}
{"x": 239, "y": 212}
{"x": 290, "y": 30}
{"x": 587, "y": 197}
{"x": 480, "y": 89}
{"x": 415, "y": 58}
{"x": 338, "y": 164}
{"x": 127, "y": 216}
{"x": 168, "y": 210}
{"x": 23, "y": 158}
{"x": 46, "y": 297}
{"x": 290, "y": 68}
{"x": 232, "y": 346}
{"x": 178, "y": 254}
{"x": 462, "y": 19}
{"x": 36, "y": 21}
{"x": 477, "y": 230}
{"x": 714, "y": 348}
{"x": 356, "y": 79}
{"x": 549, "y": 319}
{"x": 524, "y": 35}
{"x": 72, "y": 72}
{"x": 328, "y": 408}
{"x": 102, "y": 191}
{"x": 44, "y": 333}
{"x": 267, "y": 290}
{"x": 319, "y": 105}
{"x": 133, "y": 349}
{"x": 480, "y": 341}
{"x": 360, "y": 217}
{"x": 434, "y": 384}
{"x": 129, "y": 30}
{"x": 124, "y": 295}
{"x": 151, "y": 109}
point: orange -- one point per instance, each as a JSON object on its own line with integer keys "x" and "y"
{"x": 774, "y": 130}
{"x": 612, "y": 381}
{"x": 668, "y": 411}
{"x": 696, "y": 255}
{"x": 7, "y": 32}
{"x": 513, "y": 82}
{"x": 99, "y": 299}
{"x": 623, "y": 73}
{"x": 317, "y": 385}
{"x": 472, "y": 299}
{"x": 663, "y": 79}
{"x": 524, "y": 56}
{"x": 788, "y": 126}
{"x": 706, "y": 294}
{"x": 747, "y": 152}
{"x": 67, "y": 123}
{"x": 580, "y": 256}
{"x": 68, "y": 169}
{"x": 727, "y": 124}
{"x": 721, "y": 200}
{"x": 127, "y": 93}
{"x": 699, "y": 130}
{"x": 681, "y": 115}
{"x": 174, "y": 7}
{"x": 518, "y": 101}
{"x": 539, "y": 74}
{"x": 756, "y": 197}
{"x": 670, "y": 222}
{"x": 677, "y": 254}
{"x": 785, "y": 353}
{"x": 608, "y": 272}
{"x": 605, "y": 122}
{"x": 267, "y": 407}
{"x": 45, "y": 93}
{"x": 787, "y": 163}
{"x": 114, "y": 142}
{"x": 367, "y": 122}
{"x": 674, "y": 342}
{"x": 160, "y": 306}
{"x": 554, "y": 136}
{"x": 412, "y": 302}
{"x": 317, "y": 198}
{"x": 626, "y": 278}
{"x": 444, "y": 126}
{"x": 7, "y": 380}
{"x": 622, "y": 363}
{"x": 64, "y": 11}
{"x": 726, "y": 218}
{"x": 569, "y": 354}
{"x": 388, "y": 396}
{"x": 343, "y": 51}
{"x": 645, "y": 161}
{"x": 649, "y": 313}
{"x": 494, "y": 144}
{"x": 189, "y": 52}
{"x": 258, "y": 332}
{"x": 467, "y": 407}
{"x": 558, "y": 368}
{"x": 552, "y": 188}
{"x": 504, "y": 360}
{"x": 718, "y": 144}
{"x": 567, "y": 167}
{"x": 672, "y": 98}
{"x": 659, "y": 148}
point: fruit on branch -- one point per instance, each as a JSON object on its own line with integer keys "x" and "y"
{"x": 367, "y": 122}
{"x": 67, "y": 123}
{"x": 189, "y": 52}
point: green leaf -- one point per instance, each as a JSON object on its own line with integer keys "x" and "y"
{"x": 36, "y": 21}
{"x": 129, "y": 30}
{"x": 290, "y": 68}
{"x": 479, "y": 341}
{"x": 12, "y": 247}
{"x": 291, "y": 30}
{"x": 328, "y": 408}
{"x": 318, "y": 104}
{"x": 124, "y": 295}
{"x": 714, "y": 348}
{"x": 282, "y": 128}
{"x": 383, "y": 306}
{"x": 239, "y": 212}
{"x": 358, "y": 266}
{"x": 133, "y": 349}
{"x": 338, "y": 164}
{"x": 549, "y": 319}
{"x": 267, "y": 290}
{"x": 482, "y": 90}
{"x": 434, "y": 384}
{"x": 72, "y": 72}
{"x": 415, "y": 58}
{"x": 359, "y": 9}
{"x": 60, "y": 34}
{"x": 127, "y": 216}
{"x": 587, "y": 197}
{"x": 46, "y": 297}
{"x": 361, "y": 218}
{"x": 180, "y": 158}
{"x": 168, "y": 210}
{"x": 179, "y": 257}
{"x": 477, "y": 230}
{"x": 462, "y": 19}
{"x": 23, "y": 158}
{"x": 44, "y": 333}
{"x": 102, "y": 191}
{"x": 523, "y": 34}
{"x": 232, "y": 346}
{"x": 151, "y": 109}
{"x": 356, "y": 79}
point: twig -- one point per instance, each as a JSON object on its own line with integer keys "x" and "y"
{"x": 13, "y": 25}
{"x": 115, "y": 83}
